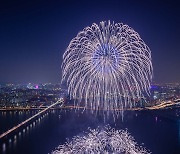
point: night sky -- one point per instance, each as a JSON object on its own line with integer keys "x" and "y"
{"x": 35, "y": 34}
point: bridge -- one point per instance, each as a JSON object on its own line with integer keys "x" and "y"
{"x": 60, "y": 101}
{"x": 164, "y": 104}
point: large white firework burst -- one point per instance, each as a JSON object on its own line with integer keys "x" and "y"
{"x": 107, "y": 67}
{"x": 99, "y": 141}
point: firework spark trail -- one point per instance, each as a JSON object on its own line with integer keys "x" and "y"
{"x": 102, "y": 141}
{"x": 107, "y": 66}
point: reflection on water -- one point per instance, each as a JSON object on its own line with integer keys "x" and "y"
{"x": 179, "y": 131}
{"x": 4, "y": 148}
{"x": 159, "y": 131}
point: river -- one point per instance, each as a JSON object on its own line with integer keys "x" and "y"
{"x": 158, "y": 131}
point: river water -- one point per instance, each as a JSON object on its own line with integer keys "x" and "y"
{"x": 158, "y": 131}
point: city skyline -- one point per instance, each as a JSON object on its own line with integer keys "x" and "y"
{"x": 34, "y": 35}
{"x": 89, "y": 76}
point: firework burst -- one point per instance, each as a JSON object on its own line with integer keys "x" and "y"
{"x": 107, "y": 67}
